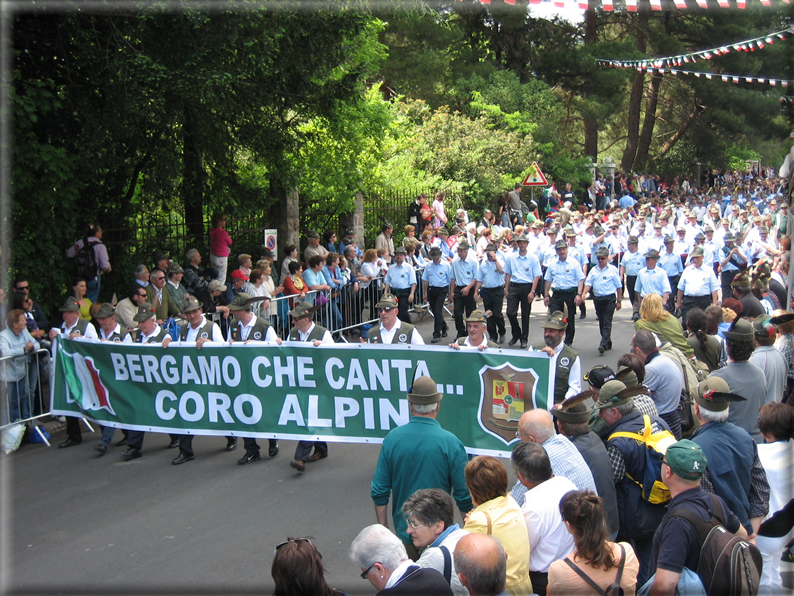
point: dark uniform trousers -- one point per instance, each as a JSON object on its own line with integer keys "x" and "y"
{"x": 631, "y": 281}
{"x": 463, "y": 303}
{"x": 492, "y": 299}
{"x": 605, "y": 310}
{"x": 673, "y": 292}
{"x": 565, "y": 297}
{"x": 436, "y": 295}
{"x": 690, "y": 302}
{"x": 726, "y": 277}
{"x": 518, "y": 295}
{"x": 402, "y": 304}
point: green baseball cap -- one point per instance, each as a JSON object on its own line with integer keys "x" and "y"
{"x": 686, "y": 459}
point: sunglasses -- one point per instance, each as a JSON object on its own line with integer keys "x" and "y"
{"x": 364, "y": 573}
{"x": 289, "y": 540}
{"x": 387, "y": 309}
{"x": 23, "y": 288}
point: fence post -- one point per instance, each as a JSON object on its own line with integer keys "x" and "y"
{"x": 355, "y": 220}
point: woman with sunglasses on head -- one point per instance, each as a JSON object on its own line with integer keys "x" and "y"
{"x": 298, "y": 570}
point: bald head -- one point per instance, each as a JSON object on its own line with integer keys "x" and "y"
{"x": 481, "y": 564}
{"x": 536, "y": 426}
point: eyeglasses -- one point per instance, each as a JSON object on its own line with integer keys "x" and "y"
{"x": 413, "y": 524}
{"x": 387, "y": 309}
{"x": 364, "y": 573}
{"x": 23, "y": 288}
{"x": 601, "y": 258}
{"x": 283, "y": 544}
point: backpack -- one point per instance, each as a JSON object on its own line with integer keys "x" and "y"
{"x": 85, "y": 260}
{"x": 614, "y": 588}
{"x": 694, "y": 372}
{"x": 728, "y": 564}
{"x": 654, "y": 491}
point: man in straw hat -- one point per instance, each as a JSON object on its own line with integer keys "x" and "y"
{"x": 475, "y": 327}
{"x": 463, "y": 285}
{"x": 675, "y": 544}
{"x": 436, "y": 279}
{"x": 567, "y": 381}
{"x": 522, "y": 276}
{"x": 391, "y": 329}
{"x": 149, "y": 332}
{"x": 73, "y": 326}
{"x": 638, "y": 518}
{"x": 743, "y": 377}
{"x": 565, "y": 277}
{"x": 697, "y": 287}
{"x": 438, "y": 460}
{"x": 572, "y": 416}
{"x": 307, "y": 331}
{"x": 491, "y": 286}
{"x": 200, "y": 331}
{"x": 604, "y": 281}
{"x": 734, "y": 470}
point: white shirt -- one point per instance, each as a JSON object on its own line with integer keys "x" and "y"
{"x": 327, "y": 339}
{"x": 103, "y": 336}
{"x": 574, "y": 378}
{"x": 245, "y": 330}
{"x": 216, "y": 333}
{"x": 388, "y": 336}
{"x": 549, "y": 539}
{"x": 90, "y": 330}
{"x": 484, "y": 342}
{"x": 398, "y": 573}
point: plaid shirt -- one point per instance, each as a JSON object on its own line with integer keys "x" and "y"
{"x": 565, "y": 461}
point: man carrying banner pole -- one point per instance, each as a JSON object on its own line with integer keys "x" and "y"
{"x": 245, "y": 327}
{"x": 306, "y": 330}
{"x": 149, "y": 332}
{"x": 199, "y": 330}
{"x": 73, "y": 326}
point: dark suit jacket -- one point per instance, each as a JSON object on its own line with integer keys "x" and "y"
{"x": 419, "y": 582}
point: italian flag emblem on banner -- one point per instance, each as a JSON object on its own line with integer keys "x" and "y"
{"x": 83, "y": 385}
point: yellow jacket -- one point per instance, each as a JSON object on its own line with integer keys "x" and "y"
{"x": 503, "y": 519}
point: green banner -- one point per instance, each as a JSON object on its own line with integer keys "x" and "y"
{"x": 342, "y": 393}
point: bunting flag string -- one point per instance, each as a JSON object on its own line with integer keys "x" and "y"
{"x": 748, "y": 45}
{"x": 631, "y": 5}
{"x": 722, "y": 76}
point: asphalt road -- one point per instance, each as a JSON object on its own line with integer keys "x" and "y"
{"x": 76, "y": 523}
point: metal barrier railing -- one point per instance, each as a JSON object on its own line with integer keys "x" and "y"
{"x": 22, "y": 397}
{"x": 343, "y": 312}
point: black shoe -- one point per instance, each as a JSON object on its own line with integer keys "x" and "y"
{"x": 122, "y": 442}
{"x": 635, "y": 317}
{"x": 248, "y": 458}
{"x": 435, "y": 340}
{"x": 501, "y": 339}
{"x": 601, "y": 350}
{"x": 582, "y": 316}
{"x": 609, "y": 347}
{"x": 273, "y": 451}
{"x": 101, "y": 449}
{"x": 173, "y": 444}
{"x": 181, "y": 458}
{"x": 513, "y": 341}
{"x": 131, "y": 453}
{"x": 231, "y": 445}
{"x": 523, "y": 344}
{"x": 444, "y": 333}
{"x": 69, "y": 443}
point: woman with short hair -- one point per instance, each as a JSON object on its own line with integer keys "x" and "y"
{"x": 497, "y": 514}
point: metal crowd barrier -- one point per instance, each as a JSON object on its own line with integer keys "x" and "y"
{"x": 22, "y": 396}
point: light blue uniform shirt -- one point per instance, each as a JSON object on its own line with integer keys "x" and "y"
{"x": 574, "y": 252}
{"x": 463, "y": 271}
{"x": 548, "y": 254}
{"x": 489, "y": 276}
{"x": 652, "y": 281}
{"x": 564, "y": 275}
{"x": 604, "y": 281}
{"x": 437, "y": 276}
{"x": 671, "y": 263}
{"x": 731, "y": 265}
{"x": 633, "y": 262}
{"x": 698, "y": 282}
{"x": 522, "y": 270}
{"x": 400, "y": 277}
{"x": 595, "y": 247}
